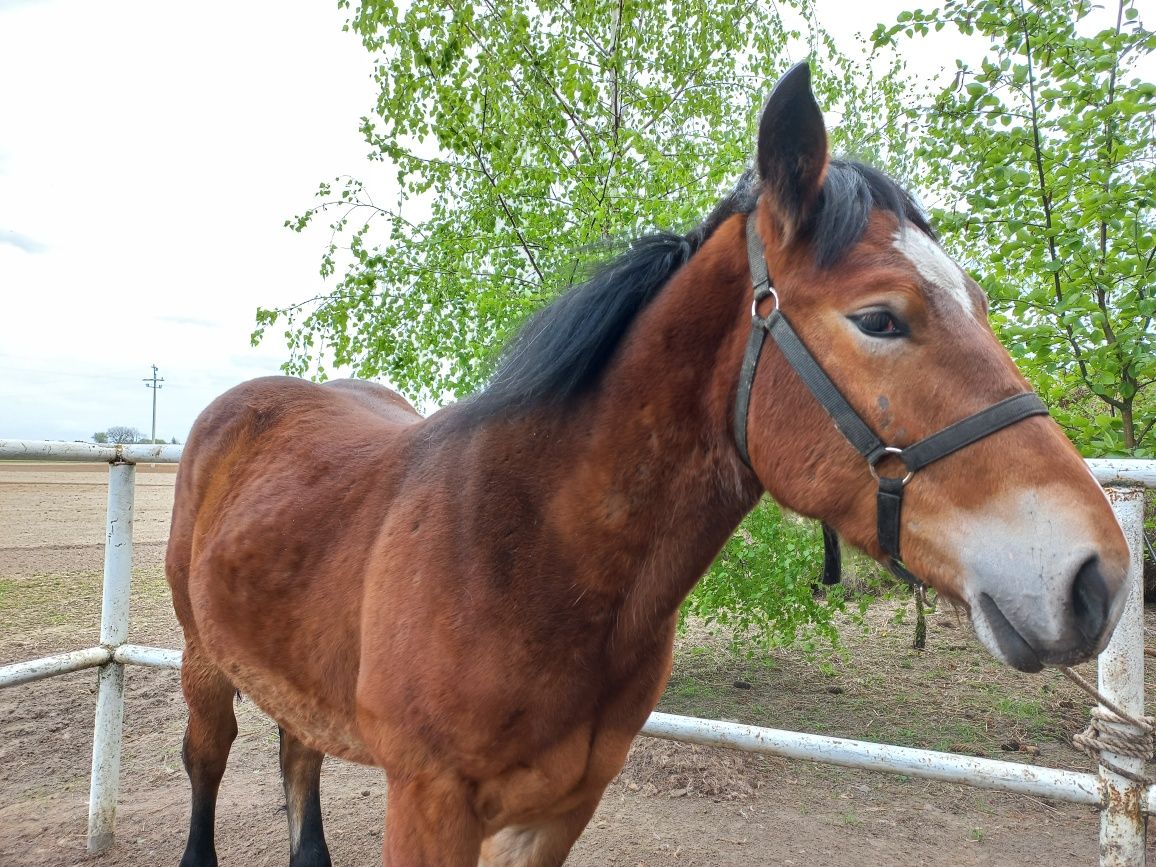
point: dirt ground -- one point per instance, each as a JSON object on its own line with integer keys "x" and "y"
{"x": 673, "y": 804}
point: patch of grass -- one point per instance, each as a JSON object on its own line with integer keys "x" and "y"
{"x": 906, "y": 737}
{"x": 966, "y": 732}
{"x": 1025, "y": 710}
{"x": 691, "y": 695}
{"x": 51, "y": 599}
{"x": 692, "y": 689}
{"x": 59, "y": 611}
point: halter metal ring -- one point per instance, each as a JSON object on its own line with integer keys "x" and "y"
{"x": 767, "y": 291}
{"x": 890, "y": 450}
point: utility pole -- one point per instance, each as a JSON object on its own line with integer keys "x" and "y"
{"x": 155, "y": 384}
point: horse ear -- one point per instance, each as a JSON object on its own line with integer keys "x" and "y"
{"x": 792, "y": 154}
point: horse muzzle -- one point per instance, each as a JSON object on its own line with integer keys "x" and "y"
{"x": 1067, "y": 620}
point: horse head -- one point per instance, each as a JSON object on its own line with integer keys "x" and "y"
{"x": 997, "y": 511}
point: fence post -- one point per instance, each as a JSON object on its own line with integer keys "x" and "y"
{"x": 106, "y": 740}
{"x": 1121, "y": 674}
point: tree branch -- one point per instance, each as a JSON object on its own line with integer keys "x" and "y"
{"x": 1045, "y": 197}
{"x": 509, "y": 215}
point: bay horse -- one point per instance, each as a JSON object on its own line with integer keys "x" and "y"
{"x": 483, "y": 602}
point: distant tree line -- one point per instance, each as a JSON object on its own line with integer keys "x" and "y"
{"x": 119, "y": 434}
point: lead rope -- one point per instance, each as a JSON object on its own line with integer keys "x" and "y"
{"x": 921, "y": 606}
{"x": 1095, "y": 739}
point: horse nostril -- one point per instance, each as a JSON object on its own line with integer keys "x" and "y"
{"x": 1090, "y": 600}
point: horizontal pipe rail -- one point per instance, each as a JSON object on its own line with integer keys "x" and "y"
{"x": 1122, "y": 471}
{"x": 1072, "y": 786}
{"x": 49, "y": 450}
{"x": 1075, "y": 787}
{"x": 50, "y": 666}
{"x": 154, "y": 657}
{"x": 76, "y": 660}
{"x": 1108, "y": 471}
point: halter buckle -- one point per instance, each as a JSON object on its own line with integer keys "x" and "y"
{"x": 890, "y": 450}
{"x": 762, "y": 293}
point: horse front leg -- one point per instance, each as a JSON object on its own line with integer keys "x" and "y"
{"x": 542, "y": 844}
{"x": 430, "y": 822}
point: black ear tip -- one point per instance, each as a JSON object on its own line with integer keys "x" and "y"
{"x": 795, "y": 80}
{"x": 801, "y": 72}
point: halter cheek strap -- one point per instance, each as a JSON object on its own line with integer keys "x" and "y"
{"x": 889, "y": 497}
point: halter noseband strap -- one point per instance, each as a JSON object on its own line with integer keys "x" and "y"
{"x": 889, "y": 498}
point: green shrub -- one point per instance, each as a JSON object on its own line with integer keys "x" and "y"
{"x": 763, "y": 588}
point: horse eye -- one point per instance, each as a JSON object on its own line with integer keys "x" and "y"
{"x": 879, "y": 323}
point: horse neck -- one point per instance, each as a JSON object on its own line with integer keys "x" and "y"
{"x": 655, "y": 486}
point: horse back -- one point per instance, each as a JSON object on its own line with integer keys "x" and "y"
{"x": 376, "y": 398}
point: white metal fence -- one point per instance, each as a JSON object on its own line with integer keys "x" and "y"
{"x": 1124, "y": 805}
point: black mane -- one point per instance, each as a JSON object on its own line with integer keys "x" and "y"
{"x": 563, "y": 349}
{"x": 850, "y": 192}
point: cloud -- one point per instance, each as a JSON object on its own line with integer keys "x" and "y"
{"x": 9, "y": 5}
{"x": 21, "y": 242}
{"x": 190, "y": 320}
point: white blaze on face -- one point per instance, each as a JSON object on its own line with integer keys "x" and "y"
{"x": 934, "y": 265}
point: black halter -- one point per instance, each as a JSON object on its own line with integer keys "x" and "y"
{"x": 889, "y": 498}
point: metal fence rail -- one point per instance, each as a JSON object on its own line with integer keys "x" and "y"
{"x": 1123, "y": 804}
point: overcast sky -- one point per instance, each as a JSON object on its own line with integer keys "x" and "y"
{"x": 149, "y": 155}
